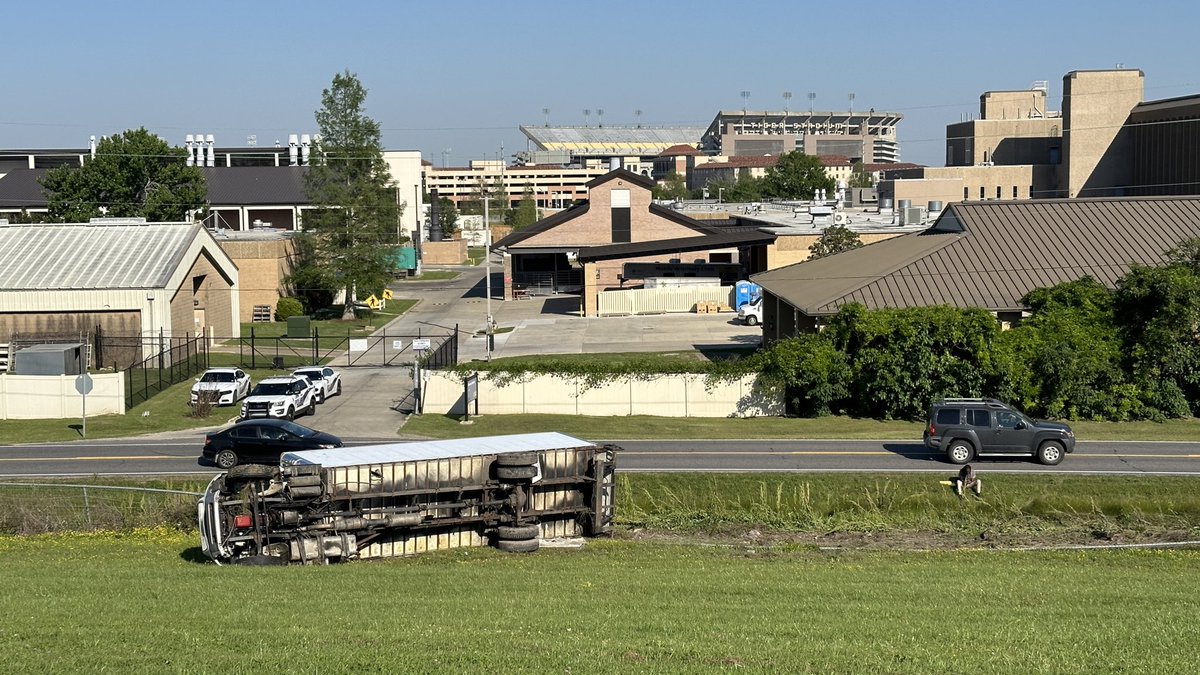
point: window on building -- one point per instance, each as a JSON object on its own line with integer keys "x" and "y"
{"x": 982, "y": 192}
{"x": 998, "y": 195}
{"x": 621, "y": 233}
{"x": 1014, "y": 192}
{"x": 966, "y": 193}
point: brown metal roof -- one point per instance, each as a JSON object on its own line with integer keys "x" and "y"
{"x": 679, "y": 150}
{"x": 744, "y": 237}
{"x": 990, "y": 254}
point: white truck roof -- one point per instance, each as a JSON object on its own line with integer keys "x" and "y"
{"x": 419, "y": 450}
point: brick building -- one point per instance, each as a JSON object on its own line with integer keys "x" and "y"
{"x": 615, "y": 240}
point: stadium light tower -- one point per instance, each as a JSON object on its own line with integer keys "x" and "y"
{"x": 812, "y": 96}
{"x": 851, "y": 97}
{"x": 745, "y": 100}
{"x": 587, "y": 113}
{"x": 546, "y": 112}
{"x": 600, "y": 116}
{"x": 638, "y": 114}
{"x": 444, "y": 153}
{"x": 787, "y": 96}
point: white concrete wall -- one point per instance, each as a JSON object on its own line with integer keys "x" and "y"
{"x": 661, "y": 300}
{"x": 405, "y": 168}
{"x": 683, "y": 395}
{"x": 34, "y": 397}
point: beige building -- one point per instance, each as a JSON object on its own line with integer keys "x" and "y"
{"x": 1106, "y": 141}
{"x": 554, "y": 186}
{"x": 264, "y": 259}
{"x": 136, "y": 280}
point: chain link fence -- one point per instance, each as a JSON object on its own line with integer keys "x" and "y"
{"x": 37, "y": 508}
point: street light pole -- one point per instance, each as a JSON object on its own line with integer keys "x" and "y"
{"x": 487, "y": 275}
{"x": 720, "y": 195}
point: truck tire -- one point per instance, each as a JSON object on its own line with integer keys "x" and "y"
{"x": 290, "y": 414}
{"x": 226, "y": 459}
{"x": 1050, "y": 453}
{"x": 516, "y": 473}
{"x": 518, "y": 532}
{"x": 516, "y": 458}
{"x": 525, "y": 546}
{"x": 752, "y": 320}
{"x": 959, "y": 451}
{"x": 251, "y": 472}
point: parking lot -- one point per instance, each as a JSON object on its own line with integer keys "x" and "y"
{"x": 539, "y": 325}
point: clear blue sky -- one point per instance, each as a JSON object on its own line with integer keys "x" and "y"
{"x": 463, "y": 75}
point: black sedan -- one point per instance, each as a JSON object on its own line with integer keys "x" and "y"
{"x": 262, "y": 441}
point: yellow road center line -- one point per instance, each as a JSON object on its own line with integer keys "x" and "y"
{"x": 85, "y": 459}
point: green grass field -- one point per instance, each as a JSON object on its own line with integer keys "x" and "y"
{"x": 145, "y": 602}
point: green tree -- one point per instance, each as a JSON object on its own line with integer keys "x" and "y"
{"x": 902, "y": 359}
{"x": 672, "y": 187}
{"x": 746, "y": 188}
{"x": 134, "y": 174}
{"x": 1065, "y": 360}
{"x": 835, "y": 239}
{"x": 1158, "y": 310}
{"x": 526, "y": 212}
{"x": 353, "y": 222}
{"x": 860, "y": 177}
{"x": 447, "y": 216}
{"x": 796, "y": 176}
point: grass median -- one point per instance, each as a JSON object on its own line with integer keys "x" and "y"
{"x": 144, "y": 602}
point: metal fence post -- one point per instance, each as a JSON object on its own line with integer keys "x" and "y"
{"x": 253, "y": 350}
{"x": 315, "y": 341}
{"x": 87, "y": 507}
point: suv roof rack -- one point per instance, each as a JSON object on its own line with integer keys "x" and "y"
{"x": 989, "y": 401}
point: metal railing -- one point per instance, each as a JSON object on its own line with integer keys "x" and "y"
{"x": 185, "y": 358}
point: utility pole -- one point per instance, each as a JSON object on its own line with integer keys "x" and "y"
{"x": 487, "y": 274}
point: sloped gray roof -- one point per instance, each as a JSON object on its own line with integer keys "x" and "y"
{"x": 990, "y": 254}
{"x": 20, "y": 189}
{"x": 226, "y": 185}
{"x": 86, "y": 257}
{"x": 246, "y": 185}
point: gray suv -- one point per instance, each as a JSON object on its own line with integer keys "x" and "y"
{"x": 965, "y": 428}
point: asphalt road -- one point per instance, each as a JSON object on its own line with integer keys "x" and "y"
{"x": 179, "y": 457}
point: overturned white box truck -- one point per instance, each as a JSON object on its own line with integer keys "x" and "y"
{"x": 381, "y": 501}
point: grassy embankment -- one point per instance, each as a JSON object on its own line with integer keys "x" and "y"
{"x": 783, "y": 574}
{"x": 143, "y": 602}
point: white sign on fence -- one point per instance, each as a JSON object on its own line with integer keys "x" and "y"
{"x": 398, "y": 345}
{"x": 358, "y": 345}
{"x": 421, "y": 344}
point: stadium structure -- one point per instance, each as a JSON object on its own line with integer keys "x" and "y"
{"x": 868, "y": 137}
{"x": 564, "y": 145}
